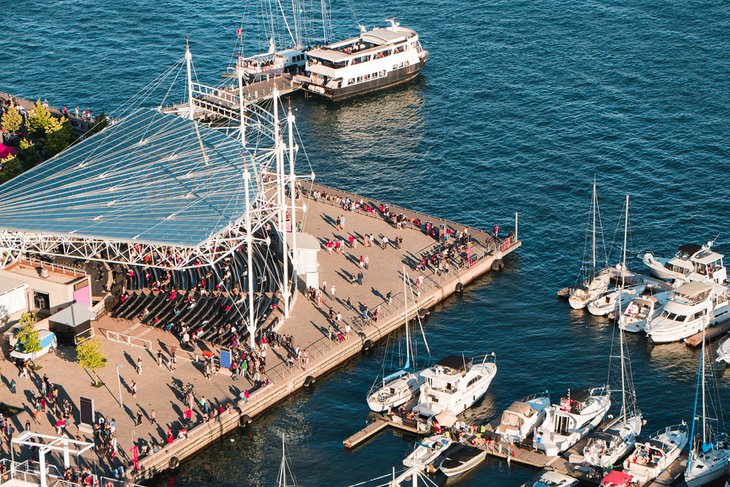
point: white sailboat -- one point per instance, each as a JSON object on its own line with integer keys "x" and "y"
{"x": 400, "y": 386}
{"x": 286, "y": 477}
{"x": 605, "y": 449}
{"x": 651, "y": 457}
{"x": 594, "y": 283}
{"x": 710, "y": 452}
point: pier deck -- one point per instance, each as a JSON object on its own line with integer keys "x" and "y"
{"x": 158, "y": 387}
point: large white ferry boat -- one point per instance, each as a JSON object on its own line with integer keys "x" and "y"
{"x": 377, "y": 59}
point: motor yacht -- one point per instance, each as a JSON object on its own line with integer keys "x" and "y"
{"x": 577, "y": 414}
{"x": 454, "y": 384}
{"x": 651, "y": 457}
{"x": 691, "y": 263}
{"x": 521, "y": 418}
{"x": 691, "y": 308}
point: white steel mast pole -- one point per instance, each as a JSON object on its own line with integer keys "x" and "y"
{"x": 188, "y": 63}
{"x": 249, "y": 261}
{"x": 621, "y": 332}
{"x": 241, "y": 106}
{"x": 292, "y": 190}
{"x": 704, "y": 404}
{"x": 405, "y": 304}
{"x": 593, "y": 244}
{"x": 281, "y": 201}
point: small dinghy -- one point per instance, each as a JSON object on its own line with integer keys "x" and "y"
{"x": 460, "y": 459}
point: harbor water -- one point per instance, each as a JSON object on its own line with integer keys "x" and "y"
{"x": 520, "y": 105}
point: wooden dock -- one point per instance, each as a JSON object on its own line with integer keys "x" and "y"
{"x": 378, "y": 425}
{"x": 711, "y": 333}
{"x": 671, "y": 474}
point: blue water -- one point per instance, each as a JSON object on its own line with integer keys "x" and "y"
{"x": 520, "y": 105}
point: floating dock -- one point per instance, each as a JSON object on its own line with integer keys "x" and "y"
{"x": 711, "y": 333}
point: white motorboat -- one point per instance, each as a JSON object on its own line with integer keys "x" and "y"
{"x": 521, "y": 418}
{"x": 400, "y": 386}
{"x": 607, "y": 302}
{"x": 723, "y": 351}
{"x": 642, "y": 310}
{"x": 460, "y": 459}
{"x": 691, "y": 308}
{"x": 710, "y": 452}
{"x": 591, "y": 283}
{"x": 551, "y": 478}
{"x": 651, "y": 457}
{"x": 454, "y": 384}
{"x": 606, "y": 448}
{"x": 691, "y": 263}
{"x": 577, "y": 414}
{"x": 428, "y": 450}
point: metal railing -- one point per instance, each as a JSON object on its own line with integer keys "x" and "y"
{"x": 133, "y": 341}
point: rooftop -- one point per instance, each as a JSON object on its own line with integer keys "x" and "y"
{"x": 151, "y": 178}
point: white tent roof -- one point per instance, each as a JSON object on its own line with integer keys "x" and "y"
{"x": 150, "y": 178}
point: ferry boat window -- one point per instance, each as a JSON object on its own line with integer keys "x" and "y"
{"x": 366, "y": 77}
{"x": 561, "y": 425}
{"x": 382, "y": 73}
{"x": 698, "y": 315}
{"x": 361, "y": 59}
{"x": 351, "y": 81}
{"x": 399, "y": 49}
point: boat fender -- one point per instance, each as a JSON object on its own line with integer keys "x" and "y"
{"x": 174, "y": 463}
{"x": 459, "y": 287}
{"x": 245, "y": 420}
{"x": 309, "y": 381}
{"x": 497, "y": 265}
{"x": 368, "y": 347}
{"x": 423, "y": 314}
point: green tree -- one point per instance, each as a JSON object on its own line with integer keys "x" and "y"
{"x": 100, "y": 123}
{"x": 40, "y": 120}
{"x": 12, "y": 120}
{"x": 90, "y": 356}
{"x": 28, "y": 153}
{"x": 11, "y": 167}
{"x": 59, "y": 135}
{"x": 28, "y": 335}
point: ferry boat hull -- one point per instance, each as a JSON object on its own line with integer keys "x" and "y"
{"x": 393, "y": 78}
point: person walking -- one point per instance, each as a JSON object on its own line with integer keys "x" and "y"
{"x": 367, "y": 262}
{"x": 139, "y": 417}
{"x": 333, "y": 291}
{"x": 139, "y": 365}
{"x": 153, "y": 417}
{"x": 133, "y": 389}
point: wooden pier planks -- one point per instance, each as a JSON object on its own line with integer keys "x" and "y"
{"x": 376, "y": 427}
{"x": 710, "y": 334}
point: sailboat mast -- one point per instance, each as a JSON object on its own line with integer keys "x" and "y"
{"x": 282, "y": 468}
{"x": 593, "y": 244}
{"x": 704, "y": 403}
{"x": 620, "y": 297}
{"x": 408, "y": 337}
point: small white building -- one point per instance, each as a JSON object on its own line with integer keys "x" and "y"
{"x": 305, "y": 257}
{"x": 13, "y": 297}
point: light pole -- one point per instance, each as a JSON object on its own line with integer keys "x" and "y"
{"x": 119, "y": 385}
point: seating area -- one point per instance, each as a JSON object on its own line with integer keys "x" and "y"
{"x": 209, "y": 303}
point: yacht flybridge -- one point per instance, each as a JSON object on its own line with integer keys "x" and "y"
{"x": 454, "y": 384}
{"x": 377, "y": 59}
